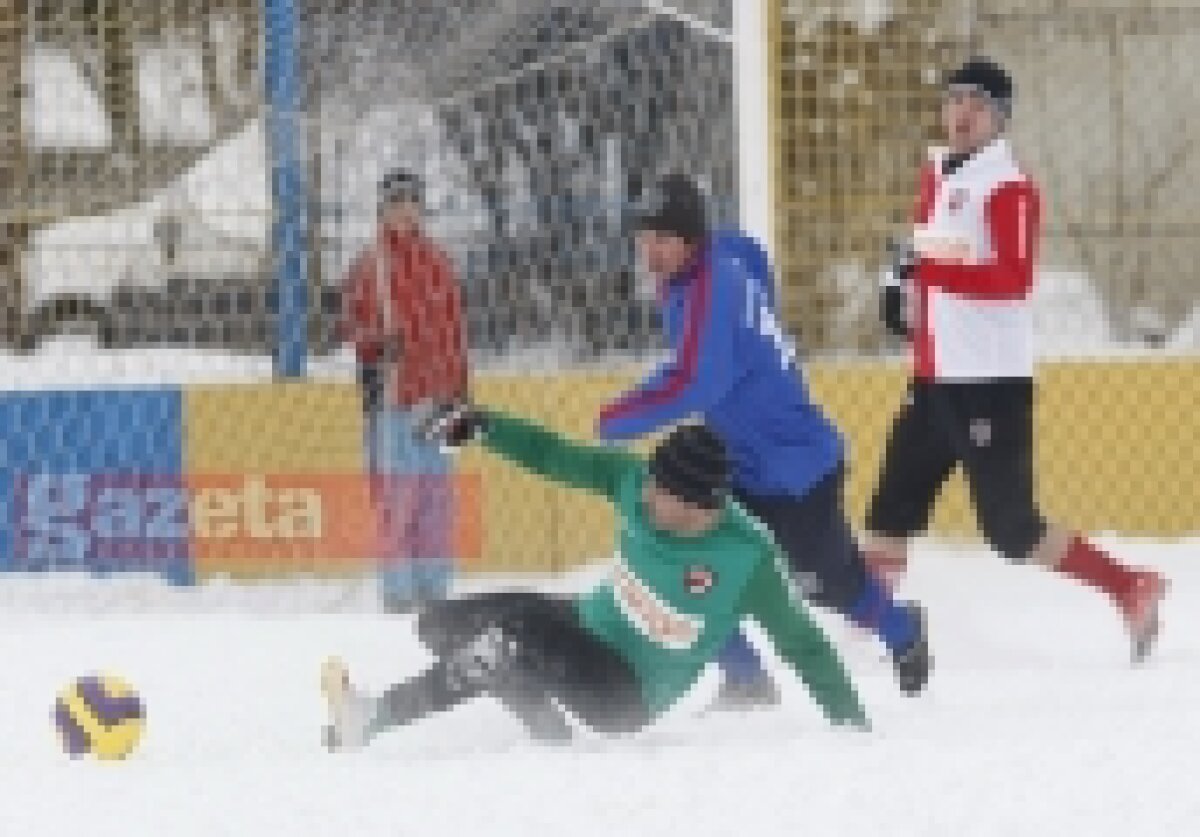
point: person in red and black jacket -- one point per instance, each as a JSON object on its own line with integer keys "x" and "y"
{"x": 961, "y": 293}
{"x": 403, "y": 313}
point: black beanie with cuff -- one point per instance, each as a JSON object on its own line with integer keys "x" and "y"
{"x": 692, "y": 465}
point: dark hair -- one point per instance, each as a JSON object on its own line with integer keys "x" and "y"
{"x": 401, "y": 185}
{"x": 673, "y": 205}
{"x": 986, "y": 77}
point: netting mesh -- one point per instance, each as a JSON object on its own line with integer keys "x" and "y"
{"x": 857, "y": 103}
{"x": 116, "y": 220}
{"x": 536, "y": 125}
{"x": 140, "y": 206}
{"x": 1106, "y": 120}
{"x": 1101, "y": 121}
{"x": 160, "y": 229}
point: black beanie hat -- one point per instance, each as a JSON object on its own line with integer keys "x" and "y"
{"x": 692, "y": 465}
{"x": 401, "y": 185}
{"x": 986, "y": 77}
{"x": 674, "y": 205}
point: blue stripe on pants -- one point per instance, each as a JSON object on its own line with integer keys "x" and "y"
{"x": 739, "y": 661}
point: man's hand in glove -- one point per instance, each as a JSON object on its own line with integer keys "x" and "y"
{"x": 451, "y": 425}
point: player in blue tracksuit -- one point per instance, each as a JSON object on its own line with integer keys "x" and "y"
{"x": 733, "y": 364}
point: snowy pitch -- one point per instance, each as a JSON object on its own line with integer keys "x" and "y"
{"x": 1034, "y": 724}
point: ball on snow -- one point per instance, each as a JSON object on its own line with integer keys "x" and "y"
{"x": 100, "y": 716}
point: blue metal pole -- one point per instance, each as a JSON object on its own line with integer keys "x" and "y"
{"x": 289, "y": 186}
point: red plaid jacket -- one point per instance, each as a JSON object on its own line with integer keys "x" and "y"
{"x": 402, "y": 305}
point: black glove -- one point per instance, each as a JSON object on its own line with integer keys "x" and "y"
{"x": 897, "y": 280}
{"x": 451, "y": 425}
{"x": 893, "y": 305}
{"x": 371, "y": 385}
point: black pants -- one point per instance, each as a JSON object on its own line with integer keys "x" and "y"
{"x": 987, "y": 428}
{"x": 531, "y": 652}
{"x": 816, "y": 537}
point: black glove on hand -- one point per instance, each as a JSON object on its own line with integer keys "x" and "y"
{"x": 371, "y": 386}
{"x": 892, "y": 308}
{"x": 897, "y": 280}
{"x": 452, "y": 425}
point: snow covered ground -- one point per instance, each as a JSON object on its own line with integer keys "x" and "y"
{"x": 1034, "y": 724}
{"x": 72, "y": 362}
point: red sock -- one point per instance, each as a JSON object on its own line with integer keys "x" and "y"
{"x": 1095, "y": 567}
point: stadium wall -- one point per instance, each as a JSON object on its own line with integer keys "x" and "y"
{"x": 1118, "y": 451}
{"x": 162, "y": 480}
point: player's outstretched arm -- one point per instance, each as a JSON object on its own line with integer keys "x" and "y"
{"x": 596, "y": 469}
{"x": 802, "y": 644}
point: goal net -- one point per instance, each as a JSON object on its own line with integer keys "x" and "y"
{"x": 535, "y": 125}
{"x": 192, "y": 187}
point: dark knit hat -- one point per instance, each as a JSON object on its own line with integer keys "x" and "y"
{"x": 986, "y": 77}
{"x": 401, "y": 186}
{"x": 673, "y": 205}
{"x": 692, "y": 465}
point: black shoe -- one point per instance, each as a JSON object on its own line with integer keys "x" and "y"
{"x": 746, "y": 696}
{"x": 542, "y": 719}
{"x": 914, "y": 663}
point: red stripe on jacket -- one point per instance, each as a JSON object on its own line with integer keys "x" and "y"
{"x": 1013, "y": 217}
{"x": 923, "y": 343}
{"x": 689, "y": 353}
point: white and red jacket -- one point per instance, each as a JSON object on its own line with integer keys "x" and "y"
{"x": 973, "y": 316}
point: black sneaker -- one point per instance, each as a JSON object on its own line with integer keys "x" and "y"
{"x": 746, "y": 695}
{"x": 540, "y": 716}
{"x": 913, "y": 665}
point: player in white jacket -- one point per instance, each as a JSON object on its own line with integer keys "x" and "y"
{"x": 963, "y": 298}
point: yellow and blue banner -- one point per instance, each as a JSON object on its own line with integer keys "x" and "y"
{"x": 270, "y": 480}
{"x": 196, "y": 482}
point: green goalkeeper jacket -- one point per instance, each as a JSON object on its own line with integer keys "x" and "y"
{"x": 670, "y": 602}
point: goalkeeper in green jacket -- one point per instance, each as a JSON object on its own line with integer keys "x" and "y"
{"x": 690, "y": 564}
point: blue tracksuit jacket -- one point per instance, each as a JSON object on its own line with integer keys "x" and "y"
{"x": 733, "y": 365}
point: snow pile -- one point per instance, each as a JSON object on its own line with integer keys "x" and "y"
{"x": 1187, "y": 337}
{"x": 222, "y": 207}
{"x": 72, "y": 363}
{"x": 1069, "y": 318}
{"x": 63, "y": 111}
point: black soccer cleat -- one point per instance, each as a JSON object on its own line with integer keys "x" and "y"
{"x": 913, "y": 665}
